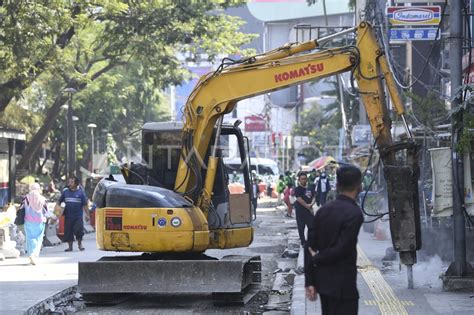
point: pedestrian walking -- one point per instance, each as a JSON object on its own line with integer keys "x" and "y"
{"x": 322, "y": 188}
{"x": 35, "y": 220}
{"x": 76, "y": 204}
{"x": 331, "y": 252}
{"x": 255, "y": 195}
{"x": 367, "y": 180}
{"x": 287, "y": 199}
{"x": 280, "y": 187}
{"x": 303, "y": 205}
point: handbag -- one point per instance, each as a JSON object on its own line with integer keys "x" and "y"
{"x": 20, "y": 215}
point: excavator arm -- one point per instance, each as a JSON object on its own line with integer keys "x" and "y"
{"x": 217, "y": 93}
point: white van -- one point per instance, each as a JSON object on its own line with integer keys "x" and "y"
{"x": 263, "y": 167}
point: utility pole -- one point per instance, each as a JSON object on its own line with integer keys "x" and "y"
{"x": 459, "y": 267}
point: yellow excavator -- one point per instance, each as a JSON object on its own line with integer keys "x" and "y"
{"x": 177, "y": 205}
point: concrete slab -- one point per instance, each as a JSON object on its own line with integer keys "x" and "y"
{"x": 286, "y": 264}
{"x": 280, "y": 285}
{"x": 452, "y": 283}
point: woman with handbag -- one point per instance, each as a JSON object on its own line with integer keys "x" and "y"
{"x": 35, "y": 220}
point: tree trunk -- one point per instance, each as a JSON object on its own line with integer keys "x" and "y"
{"x": 56, "y": 160}
{"x": 38, "y": 138}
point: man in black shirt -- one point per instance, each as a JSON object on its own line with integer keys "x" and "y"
{"x": 331, "y": 254}
{"x": 303, "y": 205}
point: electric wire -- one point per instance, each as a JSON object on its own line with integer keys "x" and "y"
{"x": 469, "y": 36}
{"x": 378, "y": 215}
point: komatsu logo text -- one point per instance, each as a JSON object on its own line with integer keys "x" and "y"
{"x": 134, "y": 227}
{"x": 301, "y": 72}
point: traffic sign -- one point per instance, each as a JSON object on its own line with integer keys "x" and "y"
{"x": 402, "y": 34}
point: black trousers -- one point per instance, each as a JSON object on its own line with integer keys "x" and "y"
{"x": 322, "y": 198}
{"x": 254, "y": 203}
{"x": 303, "y": 218}
{"x": 73, "y": 227}
{"x": 336, "y": 306}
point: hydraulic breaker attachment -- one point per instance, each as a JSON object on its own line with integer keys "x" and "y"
{"x": 403, "y": 202}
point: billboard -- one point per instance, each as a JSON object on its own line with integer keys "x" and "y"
{"x": 361, "y": 135}
{"x": 442, "y": 194}
{"x": 254, "y": 123}
{"x": 282, "y": 10}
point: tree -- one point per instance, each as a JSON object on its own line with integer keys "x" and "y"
{"x": 320, "y": 128}
{"x": 148, "y": 34}
{"x": 350, "y": 105}
{"x": 427, "y": 111}
{"x": 32, "y": 36}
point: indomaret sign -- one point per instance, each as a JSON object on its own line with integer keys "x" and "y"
{"x": 419, "y": 15}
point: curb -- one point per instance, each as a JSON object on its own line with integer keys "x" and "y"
{"x": 299, "y": 303}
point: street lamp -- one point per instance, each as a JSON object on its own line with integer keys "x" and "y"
{"x": 71, "y": 152}
{"x": 92, "y": 126}
{"x": 74, "y": 139}
{"x": 66, "y": 139}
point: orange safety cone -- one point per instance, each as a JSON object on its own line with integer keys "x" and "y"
{"x": 60, "y": 231}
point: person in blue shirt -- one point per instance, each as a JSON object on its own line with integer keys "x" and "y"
{"x": 76, "y": 204}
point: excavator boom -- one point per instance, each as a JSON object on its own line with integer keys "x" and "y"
{"x": 218, "y": 92}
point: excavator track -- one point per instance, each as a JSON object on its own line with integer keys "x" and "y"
{"x": 232, "y": 280}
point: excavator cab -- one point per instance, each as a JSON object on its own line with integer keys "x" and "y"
{"x": 161, "y": 149}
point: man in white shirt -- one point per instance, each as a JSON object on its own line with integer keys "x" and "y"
{"x": 322, "y": 189}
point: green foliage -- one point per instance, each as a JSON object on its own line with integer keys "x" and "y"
{"x": 428, "y": 110}
{"x": 72, "y": 38}
{"x": 28, "y": 31}
{"x": 119, "y": 55}
{"x": 465, "y": 139}
{"x": 22, "y": 118}
{"x": 464, "y": 117}
{"x": 319, "y": 128}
